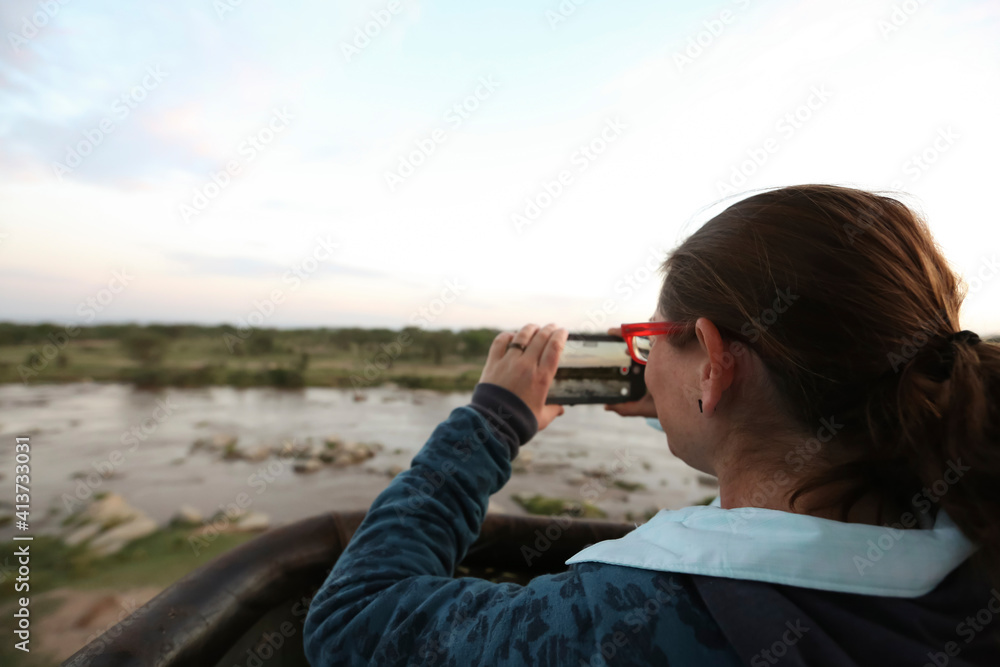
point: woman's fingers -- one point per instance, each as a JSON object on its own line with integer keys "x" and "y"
{"x": 644, "y": 407}
{"x": 549, "y": 413}
{"x": 526, "y": 335}
{"x": 554, "y": 346}
{"x": 528, "y": 373}
{"x": 538, "y": 343}
{"x": 499, "y": 345}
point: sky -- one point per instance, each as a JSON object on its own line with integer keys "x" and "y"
{"x": 458, "y": 165}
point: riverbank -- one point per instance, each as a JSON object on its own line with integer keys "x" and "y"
{"x": 196, "y": 356}
{"x": 82, "y": 583}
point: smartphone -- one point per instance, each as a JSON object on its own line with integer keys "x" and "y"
{"x": 596, "y": 368}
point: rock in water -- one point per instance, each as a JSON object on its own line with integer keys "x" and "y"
{"x": 257, "y": 454}
{"x": 109, "y": 524}
{"x": 115, "y": 539}
{"x": 223, "y": 441}
{"x": 188, "y": 515}
{"x": 111, "y": 508}
{"x": 253, "y": 521}
{"x": 307, "y": 466}
{"x": 355, "y": 452}
{"x": 82, "y": 534}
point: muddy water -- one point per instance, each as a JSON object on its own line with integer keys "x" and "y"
{"x": 77, "y": 428}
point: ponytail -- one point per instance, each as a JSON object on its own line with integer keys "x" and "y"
{"x": 949, "y": 404}
{"x": 869, "y": 339}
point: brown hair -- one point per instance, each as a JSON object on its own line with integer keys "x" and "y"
{"x": 862, "y": 336}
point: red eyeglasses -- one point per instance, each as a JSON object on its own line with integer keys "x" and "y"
{"x": 638, "y": 337}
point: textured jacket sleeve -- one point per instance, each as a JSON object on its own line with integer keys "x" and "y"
{"x": 391, "y": 598}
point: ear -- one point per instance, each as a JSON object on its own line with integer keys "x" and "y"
{"x": 717, "y": 369}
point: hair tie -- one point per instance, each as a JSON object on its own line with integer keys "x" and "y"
{"x": 946, "y": 357}
{"x": 964, "y": 336}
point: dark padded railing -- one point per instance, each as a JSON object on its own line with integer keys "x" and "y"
{"x": 198, "y": 618}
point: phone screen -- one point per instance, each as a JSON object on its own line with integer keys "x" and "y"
{"x": 595, "y": 368}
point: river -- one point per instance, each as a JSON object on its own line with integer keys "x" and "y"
{"x": 77, "y": 428}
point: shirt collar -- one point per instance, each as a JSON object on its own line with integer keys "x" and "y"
{"x": 793, "y": 549}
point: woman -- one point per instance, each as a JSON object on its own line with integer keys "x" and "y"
{"x": 805, "y": 350}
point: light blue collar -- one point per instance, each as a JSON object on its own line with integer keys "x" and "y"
{"x": 788, "y": 548}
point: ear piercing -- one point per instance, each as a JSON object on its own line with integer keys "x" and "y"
{"x": 699, "y": 406}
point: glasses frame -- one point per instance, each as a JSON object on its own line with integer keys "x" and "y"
{"x": 630, "y": 331}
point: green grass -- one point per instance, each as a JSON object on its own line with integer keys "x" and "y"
{"x": 11, "y": 657}
{"x": 646, "y": 515}
{"x": 155, "y": 560}
{"x": 629, "y": 486}
{"x": 203, "y": 360}
{"x": 194, "y": 356}
{"x": 547, "y": 506}
{"x": 159, "y": 559}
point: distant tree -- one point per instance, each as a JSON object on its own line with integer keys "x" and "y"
{"x": 475, "y": 343}
{"x": 172, "y": 331}
{"x": 437, "y": 344}
{"x": 145, "y": 346}
{"x": 261, "y": 342}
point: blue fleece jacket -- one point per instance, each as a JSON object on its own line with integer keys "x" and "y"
{"x": 391, "y": 598}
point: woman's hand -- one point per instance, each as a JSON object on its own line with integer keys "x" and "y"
{"x": 528, "y": 374}
{"x": 644, "y": 407}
